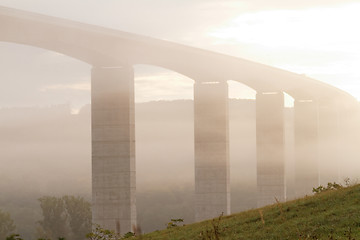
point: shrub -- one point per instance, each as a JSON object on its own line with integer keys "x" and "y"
{"x": 330, "y": 187}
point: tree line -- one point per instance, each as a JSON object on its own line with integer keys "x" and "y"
{"x": 67, "y": 217}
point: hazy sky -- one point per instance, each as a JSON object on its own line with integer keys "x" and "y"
{"x": 317, "y": 38}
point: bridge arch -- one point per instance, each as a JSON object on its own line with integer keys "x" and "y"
{"x": 105, "y": 47}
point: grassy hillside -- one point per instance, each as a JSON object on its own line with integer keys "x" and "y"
{"x": 328, "y": 215}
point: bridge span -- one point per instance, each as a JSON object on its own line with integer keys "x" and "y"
{"x": 319, "y": 111}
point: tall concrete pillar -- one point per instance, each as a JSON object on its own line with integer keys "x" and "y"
{"x": 113, "y": 148}
{"x": 270, "y": 147}
{"x": 349, "y": 138}
{"x": 328, "y": 141}
{"x": 212, "y": 185}
{"x": 306, "y": 146}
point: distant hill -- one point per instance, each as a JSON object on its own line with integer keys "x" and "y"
{"x": 50, "y": 141}
{"x": 328, "y": 215}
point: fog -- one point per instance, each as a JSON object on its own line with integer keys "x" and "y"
{"x": 45, "y": 114}
{"x": 52, "y": 143}
{"x": 50, "y": 152}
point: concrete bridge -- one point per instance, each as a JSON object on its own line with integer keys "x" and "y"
{"x": 321, "y": 112}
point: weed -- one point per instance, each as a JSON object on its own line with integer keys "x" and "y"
{"x": 282, "y": 215}
{"x": 262, "y": 217}
{"x": 129, "y": 235}
{"x": 213, "y": 233}
{"x": 348, "y": 234}
{"x": 137, "y": 231}
{"x": 174, "y": 222}
{"x": 14, "y": 237}
{"x": 330, "y": 186}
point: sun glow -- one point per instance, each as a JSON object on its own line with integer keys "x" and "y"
{"x": 313, "y": 28}
{"x": 323, "y": 43}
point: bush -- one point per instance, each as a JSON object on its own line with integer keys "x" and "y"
{"x": 7, "y": 225}
{"x": 330, "y": 187}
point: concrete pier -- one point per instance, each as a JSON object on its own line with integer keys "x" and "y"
{"x": 306, "y": 146}
{"x": 212, "y": 186}
{"x": 113, "y": 148}
{"x": 349, "y": 138}
{"x": 328, "y": 141}
{"x": 270, "y": 147}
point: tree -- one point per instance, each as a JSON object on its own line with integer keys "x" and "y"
{"x": 79, "y": 216}
{"x": 100, "y": 233}
{"x": 54, "y": 223}
{"x": 6, "y": 224}
{"x": 17, "y": 237}
{"x": 14, "y": 237}
{"x": 66, "y": 216}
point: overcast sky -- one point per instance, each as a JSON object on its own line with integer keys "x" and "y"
{"x": 318, "y": 38}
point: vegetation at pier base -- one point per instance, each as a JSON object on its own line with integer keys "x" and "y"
{"x": 333, "y": 214}
{"x": 6, "y": 224}
{"x": 67, "y": 216}
{"x": 330, "y": 186}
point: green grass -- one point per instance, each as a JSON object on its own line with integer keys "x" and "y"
{"x": 328, "y": 215}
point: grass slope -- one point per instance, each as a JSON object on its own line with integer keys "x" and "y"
{"x": 328, "y": 215}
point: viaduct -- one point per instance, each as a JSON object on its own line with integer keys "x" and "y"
{"x": 322, "y": 113}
